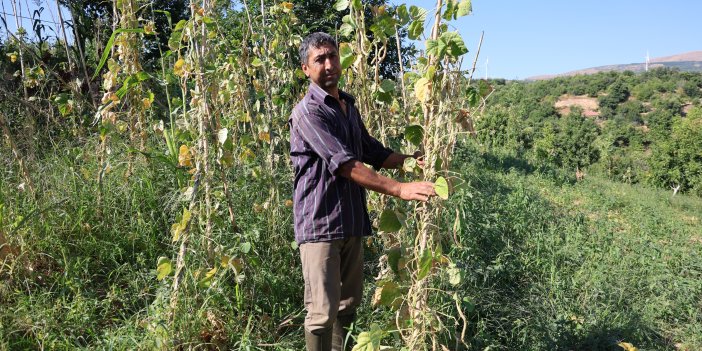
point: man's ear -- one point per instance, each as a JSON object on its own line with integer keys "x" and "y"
{"x": 304, "y": 70}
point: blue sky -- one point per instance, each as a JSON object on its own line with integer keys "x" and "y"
{"x": 528, "y": 38}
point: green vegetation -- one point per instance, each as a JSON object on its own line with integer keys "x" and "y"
{"x": 634, "y": 128}
{"x": 158, "y": 216}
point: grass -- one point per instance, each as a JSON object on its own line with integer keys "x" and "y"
{"x": 547, "y": 262}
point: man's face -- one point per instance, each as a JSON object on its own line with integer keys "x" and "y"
{"x": 323, "y": 66}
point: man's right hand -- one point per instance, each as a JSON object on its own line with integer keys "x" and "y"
{"x": 417, "y": 191}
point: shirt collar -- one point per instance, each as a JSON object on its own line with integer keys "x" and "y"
{"x": 318, "y": 92}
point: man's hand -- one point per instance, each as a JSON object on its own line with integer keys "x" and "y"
{"x": 419, "y": 156}
{"x": 369, "y": 179}
{"x": 416, "y": 191}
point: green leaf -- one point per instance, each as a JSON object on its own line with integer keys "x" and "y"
{"x": 450, "y": 10}
{"x": 387, "y": 86}
{"x": 341, "y": 5}
{"x": 403, "y": 15}
{"x": 449, "y": 43}
{"x": 414, "y": 134}
{"x": 110, "y": 43}
{"x": 346, "y": 55}
{"x": 257, "y": 62}
{"x": 389, "y": 221}
{"x": 346, "y": 30}
{"x": 472, "y": 95}
{"x": 415, "y": 30}
{"x": 388, "y": 294}
{"x": 394, "y": 255}
{"x": 425, "y": 263}
{"x": 369, "y": 341}
{"x": 465, "y": 7}
{"x": 180, "y": 25}
{"x": 245, "y": 247}
{"x": 441, "y": 188}
{"x": 484, "y": 88}
{"x": 164, "y": 267}
{"x": 418, "y": 13}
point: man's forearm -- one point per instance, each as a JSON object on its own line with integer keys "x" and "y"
{"x": 369, "y": 179}
{"x": 395, "y": 160}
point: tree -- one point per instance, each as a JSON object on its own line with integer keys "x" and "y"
{"x": 317, "y": 15}
{"x": 677, "y": 161}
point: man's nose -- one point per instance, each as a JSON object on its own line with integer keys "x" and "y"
{"x": 328, "y": 64}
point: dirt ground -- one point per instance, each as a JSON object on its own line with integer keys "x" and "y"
{"x": 588, "y": 104}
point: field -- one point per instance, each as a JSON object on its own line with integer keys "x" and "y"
{"x": 547, "y": 263}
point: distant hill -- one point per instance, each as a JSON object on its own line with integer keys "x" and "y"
{"x": 686, "y": 62}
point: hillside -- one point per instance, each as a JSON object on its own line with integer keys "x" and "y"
{"x": 685, "y": 62}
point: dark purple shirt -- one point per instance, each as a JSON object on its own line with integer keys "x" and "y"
{"x": 328, "y": 206}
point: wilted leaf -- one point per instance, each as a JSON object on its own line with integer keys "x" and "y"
{"x": 247, "y": 155}
{"x": 441, "y": 188}
{"x": 409, "y": 164}
{"x": 265, "y": 136}
{"x": 163, "y": 267}
{"x": 422, "y": 89}
{"x": 627, "y": 346}
{"x": 388, "y": 293}
{"x": 179, "y": 67}
{"x": 222, "y": 135}
{"x": 454, "y": 273}
{"x": 184, "y": 156}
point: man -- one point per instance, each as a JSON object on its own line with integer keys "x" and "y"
{"x": 329, "y": 145}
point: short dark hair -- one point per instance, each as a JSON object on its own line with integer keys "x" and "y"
{"x": 315, "y": 40}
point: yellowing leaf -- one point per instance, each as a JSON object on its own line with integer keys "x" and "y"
{"x": 288, "y": 203}
{"x": 287, "y": 5}
{"x": 247, "y": 155}
{"x": 224, "y": 261}
{"x": 163, "y": 268}
{"x": 422, "y": 89}
{"x": 388, "y": 294}
{"x": 265, "y": 136}
{"x": 441, "y": 188}
{"x": 184, "y": 157}
{"x": 13, "y": 57}
{"x": 627, "y": 346}
{"x": 146, "y": 102}
{"x": 179, "y": 67}
{"x": 409, "y": 164}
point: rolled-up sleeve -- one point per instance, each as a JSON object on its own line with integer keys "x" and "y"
{"x": 323, "y": 140}
{"x": 374, "y": 152}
